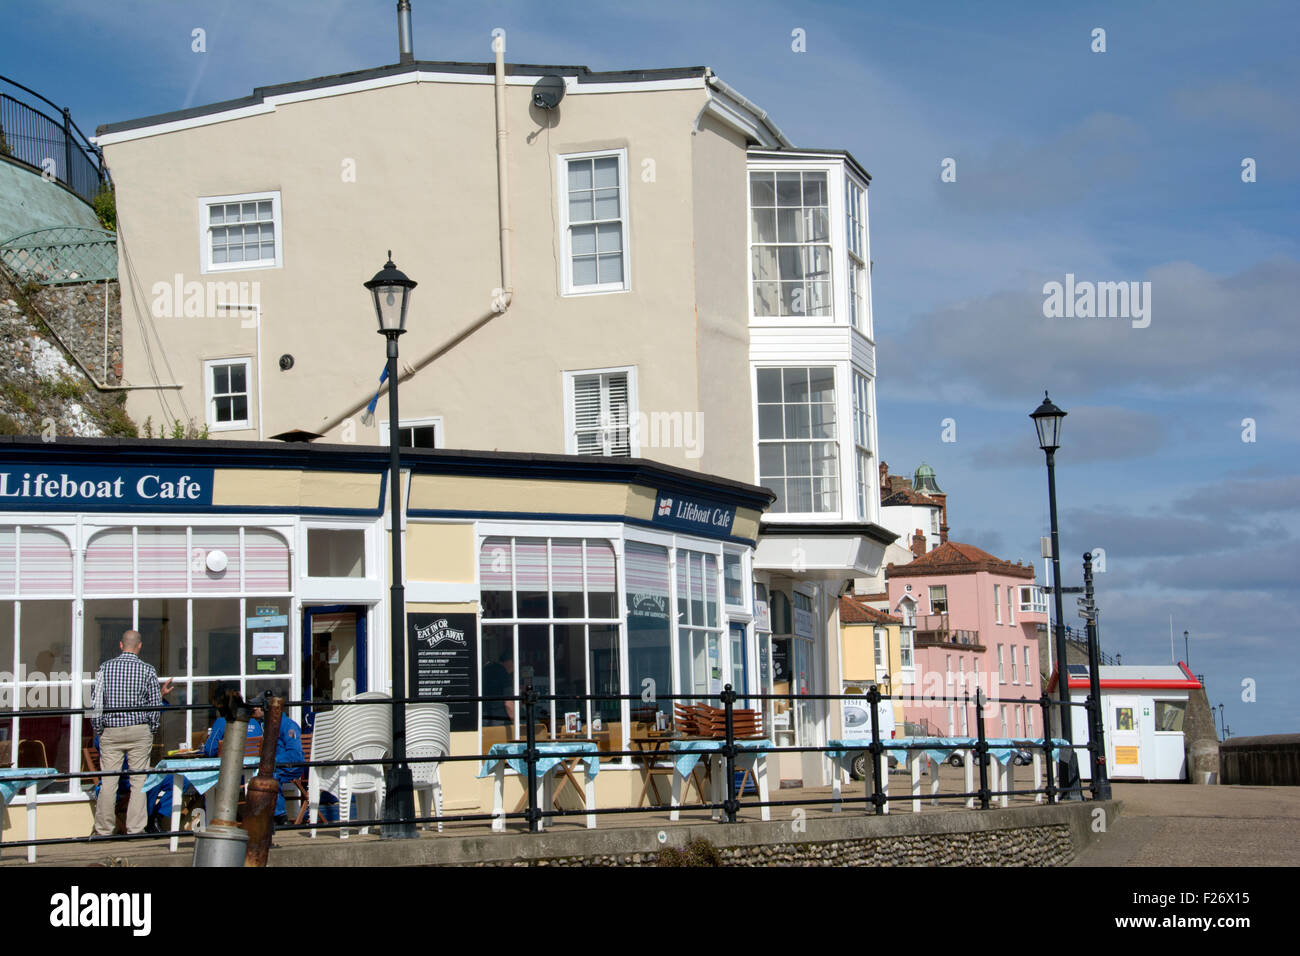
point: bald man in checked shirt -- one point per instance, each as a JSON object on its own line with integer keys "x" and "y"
{"x": 122, "y": 683}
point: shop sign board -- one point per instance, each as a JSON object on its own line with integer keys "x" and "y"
{"x": 696, "y": 515}
{"x": 98, "y": 487}
{"x": 442, "y": 655}
{"x": 803, "y": 622}
{"x": 267, "y": 620}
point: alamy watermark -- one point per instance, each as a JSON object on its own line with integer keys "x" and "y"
{"x": 209, "y": 299}
{"x": 1099, "y": 300}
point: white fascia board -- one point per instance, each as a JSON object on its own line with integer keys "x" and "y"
{"x": 270, "y": 103}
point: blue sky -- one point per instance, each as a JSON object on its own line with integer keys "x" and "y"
{"x": 1115, "y": 166}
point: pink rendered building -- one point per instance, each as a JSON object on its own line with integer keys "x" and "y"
{"x": 975, "y": 621}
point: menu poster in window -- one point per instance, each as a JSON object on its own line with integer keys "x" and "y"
{"x": 442, "y": 658}
{"x": 780, "y": 660}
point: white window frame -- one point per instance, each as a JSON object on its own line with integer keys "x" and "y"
{"x": 1014, "y": 673}
{"x": 1002, "y": 669}
{"x": 997, "y": 604}
{"x": 837, "y": 240}
{"x": 567, "y": 288}
{"x": 206, "y": 264}
{"x": 842, "y": 405}
{"x": 439, "y": 436}
{"x": 570, "y": 409}
{"x": 861, "y": 386}
{"x": 209, "y": 403}
{"x": 1027, "y": 670}
{"x": 1011, "y": 605}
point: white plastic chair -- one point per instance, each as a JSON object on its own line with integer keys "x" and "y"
{"x": 362, "y": 733}
{"x": 428, "y": 734}
{"x": 320, "y": 779}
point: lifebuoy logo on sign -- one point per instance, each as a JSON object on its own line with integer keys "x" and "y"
{"x": 665, "y": 507}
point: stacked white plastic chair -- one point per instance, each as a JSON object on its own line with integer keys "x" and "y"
{"x": 320, "y": 779}
{"x": 360, "y": 732}
{"x": 428, "y": 734}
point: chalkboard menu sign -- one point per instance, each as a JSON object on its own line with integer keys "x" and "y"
{"x": 443, "y": 660}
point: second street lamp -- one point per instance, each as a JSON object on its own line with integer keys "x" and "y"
{"x": 391, "y": 290}
{"x": 1047, "y": 420}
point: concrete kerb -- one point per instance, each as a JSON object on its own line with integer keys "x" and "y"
{"x": 515, "y": 848}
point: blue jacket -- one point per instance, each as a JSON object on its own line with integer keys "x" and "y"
{"x": 218, "y": 731}
{"x": 288, "y": 749}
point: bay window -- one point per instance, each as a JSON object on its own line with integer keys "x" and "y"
{"x": 855, "y": 198}
{"x": 790, "y": 243}
{"x": 862, "y": 441}
{"x": 798, "y": 450}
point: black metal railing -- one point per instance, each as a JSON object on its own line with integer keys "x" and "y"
{"x": 533, "y": 709}
{"x": 52, "y": 144}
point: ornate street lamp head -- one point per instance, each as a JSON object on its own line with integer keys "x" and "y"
{"x": 392, "y": 293}
{"x": 1047, "y": 419}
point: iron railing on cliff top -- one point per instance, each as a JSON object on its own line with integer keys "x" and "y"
{"x": 53, "y": 145}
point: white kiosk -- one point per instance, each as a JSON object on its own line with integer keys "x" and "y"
{"x": 1143, "y": 710}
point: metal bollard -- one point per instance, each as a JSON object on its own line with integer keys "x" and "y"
{"x": 263, "y": 789}
{"x": 224, "y": 842}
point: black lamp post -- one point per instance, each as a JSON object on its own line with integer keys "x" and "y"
{"x": 1047, "y": 420}
{"x": 391, "y": 290}
{"x": 1187, "y": 652}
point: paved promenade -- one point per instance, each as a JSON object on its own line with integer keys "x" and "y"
{"x": 1171, "y": 824}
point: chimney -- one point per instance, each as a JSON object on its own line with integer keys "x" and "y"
{"x": 404, "y": 31}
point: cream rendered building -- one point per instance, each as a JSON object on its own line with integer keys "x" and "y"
{"x": 649, "y": 268}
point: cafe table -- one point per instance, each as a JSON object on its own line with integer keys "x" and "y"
{"x": 916, "y": 752}
{"x": 29, "y": 779}
{"x": 649, "y": 750}
{"x": 200, "y": 772}
{"x": 1003, "y": 751}
{"x": 553, "y": 760}
{"x": 687, "y": 752}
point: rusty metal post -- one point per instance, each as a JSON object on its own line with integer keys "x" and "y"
{"x": 259, "y": 810}
{"x": 223, "y": 841}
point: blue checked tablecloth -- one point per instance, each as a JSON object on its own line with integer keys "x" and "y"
{"x": 201, "y": 772}
{"x": 1001, "y": 749}
{"x": 12, "y": 780}
{"x": 550, "y": 754}
{"x": 938, "y": 748}
{"x": 688, "y": 752}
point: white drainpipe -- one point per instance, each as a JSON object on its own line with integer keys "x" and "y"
{"x": 503, "y": 153}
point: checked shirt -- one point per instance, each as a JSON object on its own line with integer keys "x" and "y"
{"x": 122, "y": 683}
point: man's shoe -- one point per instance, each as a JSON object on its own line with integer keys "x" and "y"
{"x": 282, "y": 820}
{"x": 154, "y": 825}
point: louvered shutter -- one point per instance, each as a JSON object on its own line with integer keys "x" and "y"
{"x": 586, "y": 415}
{"x": 616, "y": 440}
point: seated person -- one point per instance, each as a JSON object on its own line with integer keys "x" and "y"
{"x": 288, "y": 750}
{"x": 227, "y": 704}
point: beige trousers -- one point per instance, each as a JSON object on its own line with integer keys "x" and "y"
{"x": 133, "y": 743}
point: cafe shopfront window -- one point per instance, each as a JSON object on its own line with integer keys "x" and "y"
{"x": 188, "y": 589}
{"x": 550, "y": 617}
{"x": 201, "y": 598}
{"x": 37, "y": 669}
{"x": 699, "y": 634}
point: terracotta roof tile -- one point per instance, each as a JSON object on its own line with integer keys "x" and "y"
{"x": 853, "y": 611}
{"x": 909, "y": 497}
{"x": 953, "y": 557}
